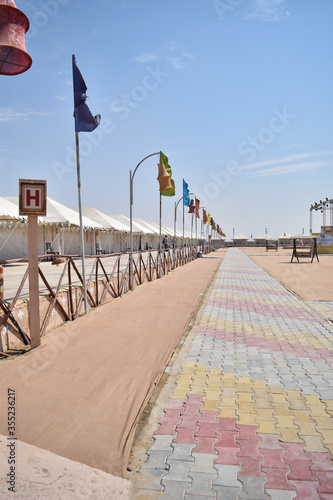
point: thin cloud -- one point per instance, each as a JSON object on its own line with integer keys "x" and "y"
{"x": 291, "y": 169}
{"x": 285, "y": 159}
{"x": 10, "y": 114}
{"x": 145, "y": 57}
{"x": 268, "y": 10}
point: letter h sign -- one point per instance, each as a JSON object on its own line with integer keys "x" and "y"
{"x": 32, "y": 199}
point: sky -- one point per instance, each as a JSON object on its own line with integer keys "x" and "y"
{"x": 237, "y": 93}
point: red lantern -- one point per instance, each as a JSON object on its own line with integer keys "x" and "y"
{"x": 13, "y": 25}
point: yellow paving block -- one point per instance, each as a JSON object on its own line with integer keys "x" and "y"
{"x": 276, "y": 389}
{"x": 259, "y": 384}
{"x": 195, "y": 389}
{"x": 244, "y": 387}
{"x": 214, "y": 374}
{"x": 245, "y": 407}
{"x": 200, "y": 368}
{"x": 228, "y": 413}
{"x": 245, "y": 380}
{"x": 302, "y": 416}
{"x": 329, "y": 447}
{"x": 210, "y": 405}
{"x": 214, "y": 395}
{"x": 298, "y": 404}
{"x": 290, "y": 436}
{"x": 285, "y": 421}
{"x": 213, "y": 386}
{"x": 267, "y": 427}
{"x": 228, "y": 401}
{"x": 229, "y": 383}
{"x": 313, "y": 444}
{"x": 312, "y": 399}
{"x": 281, "y": 409}
{"x": 317, "y": 410}
{"x": 264, "y": 414}
{"x": 323, "y": 422}
{"x": 245, "y": 397}
{"x": 180, "y": 393}
{"x": 261, "y": 393}
{"x": 229, "y": 376}
{"x": 263, "y": 403}
{"x": 279, "y": 398}
{"x": 246, "y": 419}
{"x": 307, "y": 429}
{"x": 328, "y": 436}
{"x": 328, "y": 403}
{"x": 184, "y": 383}
{"x": 294, "y": 395}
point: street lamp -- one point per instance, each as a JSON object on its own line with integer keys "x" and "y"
{"x": 131, "y": 215}
{"x": 176, "y": 205}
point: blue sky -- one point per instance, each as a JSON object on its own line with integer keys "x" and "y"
{"x": 237, "y": 93}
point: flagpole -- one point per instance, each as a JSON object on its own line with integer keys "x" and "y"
{"x": 81, "y": 222}
{"x": 160, "y": 233}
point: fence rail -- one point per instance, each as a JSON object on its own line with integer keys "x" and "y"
{"x": 65, "y": 299}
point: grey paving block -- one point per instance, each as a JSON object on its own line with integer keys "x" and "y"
{"x": 227, "y": 475}
{"x": 227, "y": 492}
{"x": 157, "y": 459}
{"x": 174, "y": 490}
{"x": 163, "y": 442}
{"x": 202, "y": 484}
{"x": 181, "y": 451}
{"x": 151, "y": 479}
{"x": 281, "y": 494}
{"x": 178, "y": 471}
{"x": 203, "y": 462}
{"x": 253, "y": 488}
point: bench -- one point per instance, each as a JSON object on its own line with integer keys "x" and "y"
{"x": 50, "y": 250}
{"x": 272, "y": 245}
{"x": 305, "y": 251}
{"x": 99, "y": 250}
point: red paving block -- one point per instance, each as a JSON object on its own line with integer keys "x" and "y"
{"x": 277, "y": 479}
{"x": 306, "y": 490}
{"x": 270, "y": 442}
{"x": 205, "y": 445}
{"x": 177, "y": 403}
{"x": 251, "y": 466}
{"x": 228, "y": 439}
{"x": 210, "y": 416}
{"x": 167, "y": 428}
{"x": 188, "y": 422}
{"x": 294, "y": 451}
{"x": 299, "y": 470}
{"x": 171, "y": 414}
{"x": 273, "y": 458}
{"x": 325, "y": 479}
{"x": 226, "y": 456}
{"x": 326, "y": 496}
{"x": 247, "y": 431}
{"x": 206, "y": 429}
{"x": 227, "y": 424}
{"x": 249, "y": 448}
{"x": 194, "y": 400}
{"x": 320, "y": 461}
{"x": 184, "y": 436}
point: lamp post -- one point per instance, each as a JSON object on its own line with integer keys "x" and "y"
{"x": 131, "y": 215}
{"x": 175, "y": 220}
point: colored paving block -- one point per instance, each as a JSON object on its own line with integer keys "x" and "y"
{"x": 253, "y": 488}
{"x": 226, "y": 424}
{"x": 250, "y": 466}
{"x": 290, "y": 436}
{"x": 325, "y": 479}
{"x": 246, "y": 418}
{"x": 313, "y": 444}
{"x": 227, "y": 476}
{"x": 327, "y": 436}
{"x": 285, "y": 421}
{"x": 277, "y": 478}
{"x": 270, "y": 442}
{"x": 227, "y": 438}
{"x": 227, "y": 455}
{"x": 307, "y": 428}
{"x": 320, "y": 461}
{"x": 206, "y": 429}
{"x": 299, "y": 470}
{"x": 228, "y": 413}
{"x": 306, "y": 490}
{"x": 323, "y": 422}
{"x": 265, "y": 414}
{"x": 205, "y": 445}
{"x": 201, "y": 485}
{"x": 185, "y": 436}
{"x": 249, "y": 448}
{"x": 210, "y": 404}
{"x": 273, "y": 459}
{"x": 267, "y": 427}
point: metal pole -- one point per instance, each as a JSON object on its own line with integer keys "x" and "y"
{"x": 160, "y": 234}
{"x": 183, "y": 225}
{"x": 131, "y": 231}
{"x": 174, "y": 232}
{"x": 81, "y": 223}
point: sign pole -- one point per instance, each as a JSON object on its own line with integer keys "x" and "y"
{"x": 34, "y": 319}
{"x": 81, "y": 223}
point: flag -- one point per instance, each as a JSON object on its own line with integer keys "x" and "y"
{"x": 208, "y": 219}
{"x": 84, "y": 120}
{"x": 197, "y": 205}
{"x": 204, "y": 216}
{"x": 186, "y": 191}
{"x": 165, "y": 161}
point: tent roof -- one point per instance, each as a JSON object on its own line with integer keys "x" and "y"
{"x": 104, "y": 220}
{"x": 126, "y": 222}
{"x": 264, "y": 237}
{"x": 60, "y": 214}
{"x": 146, "y": 228}
{"x": 240, "y": 237}
{"x": 286, "y": 236}
{"x": 9, "y": 210}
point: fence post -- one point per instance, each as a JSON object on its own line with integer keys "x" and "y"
{"x": 2, "y": 294}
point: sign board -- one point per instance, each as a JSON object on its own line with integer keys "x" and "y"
{"x": 32, "y": 199}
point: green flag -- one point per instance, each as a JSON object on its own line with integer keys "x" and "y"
{"x": 167, "y": 192}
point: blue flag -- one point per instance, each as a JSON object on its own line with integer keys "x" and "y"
{"x": 186, "y": 199}
{"x": 84, "y": 120}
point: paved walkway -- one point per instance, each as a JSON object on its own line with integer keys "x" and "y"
{"x": 251, "y": 416}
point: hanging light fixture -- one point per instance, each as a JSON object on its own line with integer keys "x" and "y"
{"x": 13, "y": 25}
